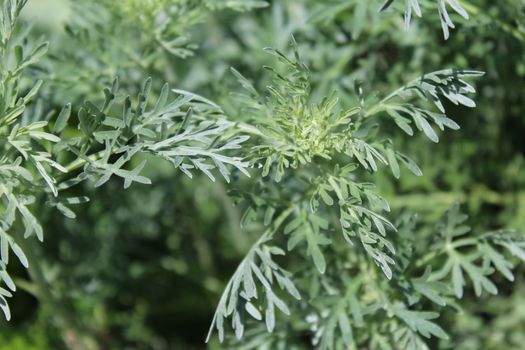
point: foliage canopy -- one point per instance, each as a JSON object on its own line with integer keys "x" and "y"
{"x": 292, "y": 186}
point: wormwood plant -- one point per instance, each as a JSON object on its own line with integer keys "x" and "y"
{"x": 186, "y": 130}
{"x": 318, "y": 202}
{"x": 332, "y": 266}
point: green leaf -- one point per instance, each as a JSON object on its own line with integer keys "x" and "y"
{"x": 63, "y": 118}
{"x": 392, "y": 161}
{"x": 410, "y": 164}
{"x": 423, "y": 124}
{"x": 430, "y": 289}
{"x": 20, "y": 254}
{"x": 253, "y": 311}
{"x": 419, "y": 321}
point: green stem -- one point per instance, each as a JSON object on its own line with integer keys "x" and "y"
{"x": 463, "y": 242}
{"x": 427, "y": 258}
{"x": 80, "y": 161}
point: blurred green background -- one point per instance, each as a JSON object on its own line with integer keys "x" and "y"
{"x": 144, "y": 268}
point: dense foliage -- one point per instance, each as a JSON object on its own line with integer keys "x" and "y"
{"x": 241, "y": 174}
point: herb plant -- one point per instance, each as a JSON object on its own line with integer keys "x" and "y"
{"x": 287, "y": 203}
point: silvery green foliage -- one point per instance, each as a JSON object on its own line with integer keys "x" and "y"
{"x": 26, "y": 164}
{"x": 187, "y": 130}
{"x": 332, "y": 266}
{"x": 336, "y": 224}
{"x": 327, "y": 11}
{"x": 413, "y": 6}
